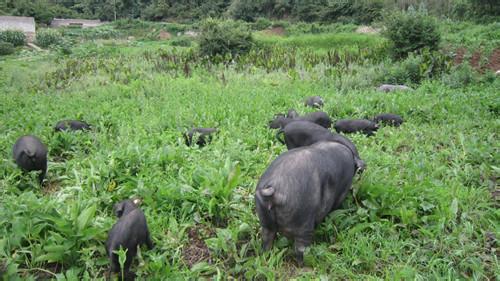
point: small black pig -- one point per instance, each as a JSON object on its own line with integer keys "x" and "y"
{"x": 388, "y": 119}
{"x": 73, "y": 125}
{"x": 302, "y": 133}
{"x": 130, "y": 231}
{"x": 347, "y": 126}
{"x": 319, "y": 117}
{"x": 299, "y": 189}
{"x": 30, "y": 154}
{"x": 314, "y": 101}
{"x": 203, "y": 136}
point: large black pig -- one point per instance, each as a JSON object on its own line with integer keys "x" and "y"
{"x": 302, "y": 133}
{"x": 30, "y": 154}
{"x": 130, "y": 231}
{"x": 319, "y": 117}
{"x": 202, "y": 136}
{"x": 389, "y": 119}
{"x": 73, "y": 125}
{"x": 299, "y": 189}
{"x": 364, "y": 126}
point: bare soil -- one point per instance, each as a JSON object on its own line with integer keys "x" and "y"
{"x": 196, "y": 250}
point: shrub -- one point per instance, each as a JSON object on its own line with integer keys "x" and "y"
{"x": 367, "y": 11}
{"x": 460, "y": 76}
{"x": 411, "y": 31}
{"x": 6, "y": 48}
{"x": 224, "y": 37}
{"x": 47, "y": 37}
{"x": 243, "y": 10}
{"x": 261, "y": 24}
{"x": 417, "y": 67}
{"x": 15, "y": 37}
{"x": 181, "y": 42}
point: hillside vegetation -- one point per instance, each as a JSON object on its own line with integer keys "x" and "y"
{"x": 425, "y": 208}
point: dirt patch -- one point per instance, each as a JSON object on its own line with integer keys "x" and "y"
{"x": 278, "y": 30}
{"x": 49, "y": 187}
{"x": 494, "y": 60}
{"x": 403, "y": 149}
{"x": 196, "y": 251}
{"x": 164, "y": 35}
{"x": 459, "y": 56}
{"x": 475, "y": 60}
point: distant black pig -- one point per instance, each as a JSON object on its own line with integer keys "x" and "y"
{"x": 302, "y": 133}
{"x": 73, "y": 125}
{"x": 364, "y": 126}
{"x": 319, "y": 117}
{"x": 202, "y": 136}
{"x": 314, "y": 101}
{"x": 389, "y": 119}
{"x": 30, "y": 154}
{"x": 299, "y": 189}
{"x": 130, "y": 231}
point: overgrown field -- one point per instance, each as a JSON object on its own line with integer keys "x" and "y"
{"x": 424, "y": 209}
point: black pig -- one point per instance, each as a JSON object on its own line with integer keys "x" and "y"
{"x": 319, "y": 117}
{"x": 301, "y": 133}
{"x": 30, "y": 154}
{"x": 130, "y": 231}
{"x": 73, "y": 125}
{"x": 203, "y": 135}
{"x": 389, "y": 119}
{"x": 292, "y": 113}
{"x": 314, "y": 101}
{"x": 356, "y": 125}
{"x": 299, "y": 189}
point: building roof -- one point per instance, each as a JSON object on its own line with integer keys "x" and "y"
{"x": 25, "y": 24}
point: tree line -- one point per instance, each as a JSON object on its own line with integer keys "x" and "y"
{"x": 354, "y": 11}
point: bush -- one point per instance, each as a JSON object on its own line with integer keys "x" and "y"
{"x": 243, "y": 10}
{"x": 417, "y": 67}
{"x": 461, "y": 76}
{"x": 47, "y": 37}
{"x": 411, "y": 31}
{"x": 16, "y": 38}
{"x": 6, "y": 48}
{"x": 224, "y": 37}
{"x": 261, "y": 24}
{"x": 181, "y": 42}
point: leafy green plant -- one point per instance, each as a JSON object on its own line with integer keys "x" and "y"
{"x": 15, "y": 37}
{"x": 122, "y": 258}
{"x": 460, "y": 76}
{"x": 6, "y": 48}
{"x": 220, "y": 38}
{"x": 411, "y": 31}
{"x": 181, "y": 42}
{"x": 48, "y": 37}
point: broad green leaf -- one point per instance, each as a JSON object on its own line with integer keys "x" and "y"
{"x": 85, "y": 217}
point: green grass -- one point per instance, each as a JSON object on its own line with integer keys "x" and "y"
{"x": 322, "y": 41}
{"x": 423, "y": 209}
{"x": 471, "y": 36}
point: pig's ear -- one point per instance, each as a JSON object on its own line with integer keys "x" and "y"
{"x": 119, "y": 209}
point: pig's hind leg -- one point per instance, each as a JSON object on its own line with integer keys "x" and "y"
{"x": 301, "y": 242}
{"x": 268, "y": 237}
